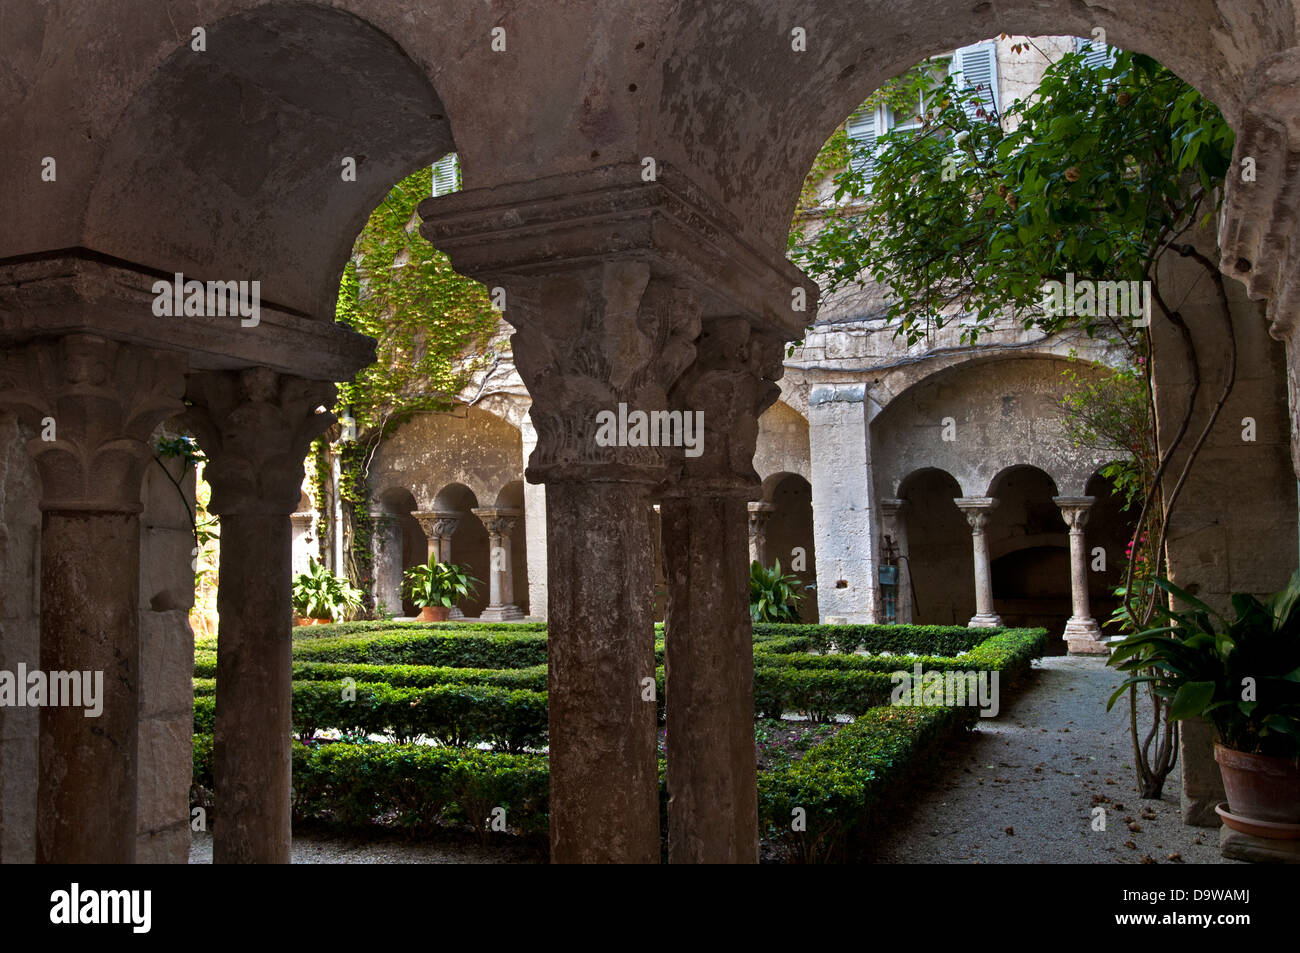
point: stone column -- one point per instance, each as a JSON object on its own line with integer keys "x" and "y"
{"x": 1082, "y": 632}
{"x": 256, "y": 426}
{"x": 844, "y": 527}
{"x": 893, "y": 514}
{"x": 439, "y": 526}
{"x": 759, "y": 513}
{"x": 386, "y": 546}
{"x": 606, "y": 277}
{"x": 535, "y": 529}
{"x": 93, "y": 404}
{"x": 500, "y": 524}
{"x": 712, "y": 782}
{"x": 978, "y": 509}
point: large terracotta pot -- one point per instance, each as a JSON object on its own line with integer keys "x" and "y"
{"x": 1260, "y": 787}
{"x": 306, "y": 621}
{"x": 434, "y": 614}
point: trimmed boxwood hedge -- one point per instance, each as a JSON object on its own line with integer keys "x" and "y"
{"x": 399, "y": 676}
{"x": 468, "y": 684}
{"x": 416, "y": 787}
{"x": 455, "y": 715}
{"x": 931, "y": 639}
{"x": 820, "y": 686}
{"x": 459, "y": 650}
{"x": 845, "y": 785}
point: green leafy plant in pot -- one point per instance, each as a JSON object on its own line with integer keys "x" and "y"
{"x": 436, "y": 587}
{"x": 773, "y": 596}
{"x": 320, "y": 597}
{"x": 1244, "y": 676}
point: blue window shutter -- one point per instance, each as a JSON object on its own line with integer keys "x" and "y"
{"x": 978, "y": 66}
{"x": 446, "y": 174}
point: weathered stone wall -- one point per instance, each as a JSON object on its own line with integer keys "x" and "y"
{"x": 20, "y": 533}
{"x": 166, "y": 656}
{"x": 430, "y": 451}
{"x": 1234, "y": 527}
{"x": 166, "y": 664}
{"x": 999, "y": 412}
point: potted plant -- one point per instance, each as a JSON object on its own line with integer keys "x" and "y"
{"x": 1244, "y": 676}
{"x": 320, "y": 597}
{"x": 436, "y": 587}
{"x": 773, "y": 597}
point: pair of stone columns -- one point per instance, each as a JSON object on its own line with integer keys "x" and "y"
{"x": 1081, "y": 631}
{"x": 635, "y": 293}
{"x": 95, "y": 402}
{"x": 440, "y": 525}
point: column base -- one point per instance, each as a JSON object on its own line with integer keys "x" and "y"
{"x": 506, "y": 613}
{"x": 456, "y": 613}
{"x": 1084, "y": 637}
{"x": 987, "y": 620}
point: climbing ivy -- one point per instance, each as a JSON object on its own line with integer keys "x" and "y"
{"x": 425, "y": 318}
{"x": 432, "y": 329}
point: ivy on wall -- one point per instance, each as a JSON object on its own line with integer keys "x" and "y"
{"x": 432, "y": 329}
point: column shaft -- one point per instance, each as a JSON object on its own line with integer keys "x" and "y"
{"x": 978, "y": 511}
{"x": 709, "y": 655}
{"x": 90, "y": 622}
{"x": 251, "y": 748}
{"x": 603, "y": 762}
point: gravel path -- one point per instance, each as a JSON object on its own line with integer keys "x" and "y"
{"x": 1022, "y": 788}
{"x": 318, "y": 848}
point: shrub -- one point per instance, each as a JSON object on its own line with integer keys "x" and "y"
{"x": 845, "y": 785}
{"x": 459, "y": 650}
{"x": 416, "y": 787}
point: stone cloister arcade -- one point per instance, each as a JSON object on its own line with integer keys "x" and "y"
{"x": 133, "y": 154}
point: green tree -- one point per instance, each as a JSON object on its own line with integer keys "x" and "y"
{"x": 1100, "y": 174}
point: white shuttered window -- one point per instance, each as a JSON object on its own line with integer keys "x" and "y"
{"x": 446, "y": 174}
{"x": 978, "y": 66}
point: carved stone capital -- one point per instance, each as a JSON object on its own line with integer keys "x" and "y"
{"x": 598, "y": 347}
{"x": 93, "y": 404}
{"x": 759, "y": 513}
{"x": 1075, "y": 509}
{"x": 438, "y": 524}
{"x": 729, "y": 384}
{"x": 256, "y": 426}
{"x": 498, "y": 521}
{"x": 977, "y": 510}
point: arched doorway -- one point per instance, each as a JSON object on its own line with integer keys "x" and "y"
{"x": 938, "y": 551}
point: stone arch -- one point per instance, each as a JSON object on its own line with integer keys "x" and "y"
{"x": 399, "y": 543}
{"x": 466, "y": 445}
{"x": 938, "y": 548}
{"x": 977, "y": 417}
{"x": 1210, "y": 48}
{"x": 470, "y": 547}
{"x": 1029, "y": 554}
{"x": 784, "y": 517}
{"x": 783, "y": 442}
{"x": 281, "y": 212}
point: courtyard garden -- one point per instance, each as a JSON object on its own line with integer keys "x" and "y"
{"x": 439, "y": 730}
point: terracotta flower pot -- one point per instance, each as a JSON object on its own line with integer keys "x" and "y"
{"x": 1260, "y": 787}
{"x": 434, "y": 614}
{"x": 306, "y": 621}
